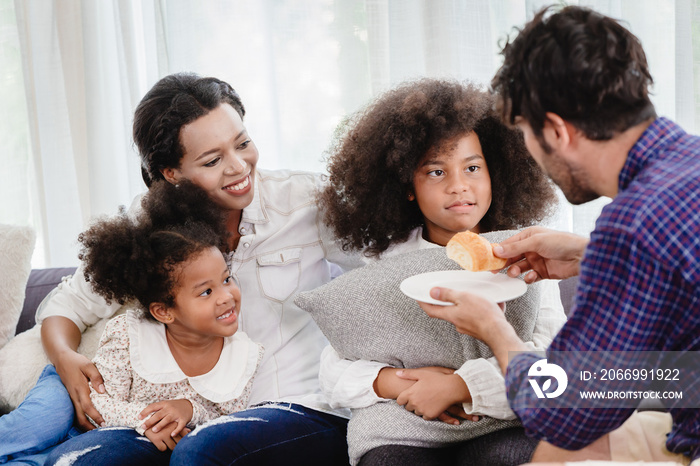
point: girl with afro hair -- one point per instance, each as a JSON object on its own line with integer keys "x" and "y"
{"x": 424, "y": 161}
{"x": 174, "y": 359}
{"x": 370, "y": 200}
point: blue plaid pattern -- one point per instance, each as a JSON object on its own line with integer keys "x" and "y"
{"x": 639, "y": 288}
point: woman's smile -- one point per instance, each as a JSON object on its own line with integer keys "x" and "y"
{"x": 239, "y": 188}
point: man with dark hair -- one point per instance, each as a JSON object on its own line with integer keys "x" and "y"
{"x": 576, "y": 83}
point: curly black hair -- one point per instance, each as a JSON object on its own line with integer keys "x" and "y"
{"x": 376, "y": 152}
{"x": 579, "y": 64}
{"x": 127, "y": 258}
{"x": 173, "y": 102}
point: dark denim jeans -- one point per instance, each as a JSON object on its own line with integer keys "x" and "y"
{"x": 269, "y": 434}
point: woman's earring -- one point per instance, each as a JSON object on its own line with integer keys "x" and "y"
{"x": 411, "y": 197}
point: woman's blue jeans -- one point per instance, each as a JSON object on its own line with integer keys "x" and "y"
{"x": 268, "y": 434}
{"x": 43, "y": 420}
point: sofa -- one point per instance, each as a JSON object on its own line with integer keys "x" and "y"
{"x": 22, "y": 289}
{"x": 42, "y": 281}
{"x": 22, "y": 357}
{"x": 39, "y": 284}
{"x": 27, "y": 334}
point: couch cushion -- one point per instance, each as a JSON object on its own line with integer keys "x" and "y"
{"x": 16, "y": 248}
{"x": 23, "y": 358}
{"x": 40, "y": 283}
{"x": 567, "y": 289}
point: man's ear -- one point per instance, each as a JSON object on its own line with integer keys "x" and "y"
{"x": 171, "y": 175}
{"x": 161, "y": 313}
{"x": 557, "y": 132}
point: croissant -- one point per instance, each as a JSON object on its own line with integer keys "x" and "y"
{"x": 473, "y": 252}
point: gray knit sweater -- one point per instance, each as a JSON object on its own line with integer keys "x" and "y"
{"x": 364, "y": 315}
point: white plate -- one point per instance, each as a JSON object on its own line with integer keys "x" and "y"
{"x": 496, "y": 287}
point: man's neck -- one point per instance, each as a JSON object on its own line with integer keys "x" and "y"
{"x": 611, "y": 156}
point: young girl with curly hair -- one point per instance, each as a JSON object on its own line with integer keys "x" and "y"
{"x": 181, "y": 361}
{"x": 175, "y": 359}
{"x": 424, "y": 161}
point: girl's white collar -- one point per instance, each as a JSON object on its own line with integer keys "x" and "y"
{"x": 152, "y": 360}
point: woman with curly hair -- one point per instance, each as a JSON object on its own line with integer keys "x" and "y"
{"x": 175, "y": 359}
{"x": 426, "y": 160}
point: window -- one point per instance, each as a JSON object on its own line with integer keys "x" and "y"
{"x": 17, "y": 174}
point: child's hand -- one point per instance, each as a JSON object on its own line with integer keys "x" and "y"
{"x": 456, "y": 414}
{"x": 433, "y": 393}
{"x": 388, "y": 385}
{"x": 164, "y": 438}
{"x": 166, "y": 412}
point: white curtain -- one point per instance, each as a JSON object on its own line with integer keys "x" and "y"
{"x": 85, "y": 68}
{"x": 299, "y": 65}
